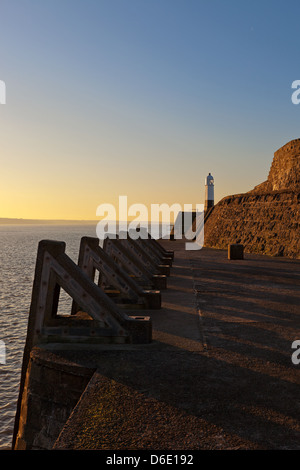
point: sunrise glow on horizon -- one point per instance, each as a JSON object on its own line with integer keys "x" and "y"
{"x": 143, "y": 99}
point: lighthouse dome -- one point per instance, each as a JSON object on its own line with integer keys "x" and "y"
{"x": 209, "y": 180}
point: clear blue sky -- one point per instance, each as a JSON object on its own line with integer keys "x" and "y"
{"x": 141, "y": 98}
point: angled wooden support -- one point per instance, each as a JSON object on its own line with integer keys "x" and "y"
{"x": 113, "y": 279}
{"x": 133, "y": 265}
{"x": 153, "y": 249}
{"x": 166, "y": 255}
{"x": 146, "y": 245}
{"x": 102, "y": 322}
{"x": 138, "y": 249}
{"x": 159, "y": 247}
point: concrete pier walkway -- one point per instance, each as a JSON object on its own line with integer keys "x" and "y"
{"x": 218, "y": 374}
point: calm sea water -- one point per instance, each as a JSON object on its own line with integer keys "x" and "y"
{"x": 18, "y": 249}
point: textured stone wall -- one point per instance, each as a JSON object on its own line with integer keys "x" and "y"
{"x": 266, "y": 219}
{"x": 285, "y": 169}
{"x": 52, "y": 389}
{"x": 266, "y": 223}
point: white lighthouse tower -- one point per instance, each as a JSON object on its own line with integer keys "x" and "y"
{"x": 209, "y": 192}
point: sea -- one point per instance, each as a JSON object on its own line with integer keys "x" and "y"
{"x": 18, "y": 250}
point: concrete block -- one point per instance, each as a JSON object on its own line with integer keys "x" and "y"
{"x": 153, "y": 298}
{"x": 140, "y": 329}
{"x": 235, "y": 251}
{"x": 164, "y": 269}
{"x": 159, "y": 281}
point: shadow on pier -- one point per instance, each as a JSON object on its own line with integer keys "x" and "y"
{"x": 217, "y": 373}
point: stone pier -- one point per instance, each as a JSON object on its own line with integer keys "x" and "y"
{"x": 217, "y": 374}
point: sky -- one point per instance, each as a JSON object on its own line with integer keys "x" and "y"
{"x": 143, "y": 98}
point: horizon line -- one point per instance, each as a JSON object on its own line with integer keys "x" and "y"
{"x": 20, "y": 220}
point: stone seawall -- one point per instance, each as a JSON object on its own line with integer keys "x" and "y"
{"x": 266, "y": 223}
{"x": 52, "y": 388}
{"x": 285, "y": 169}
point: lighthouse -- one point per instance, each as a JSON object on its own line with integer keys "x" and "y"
{"x": 209, "y": 192}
